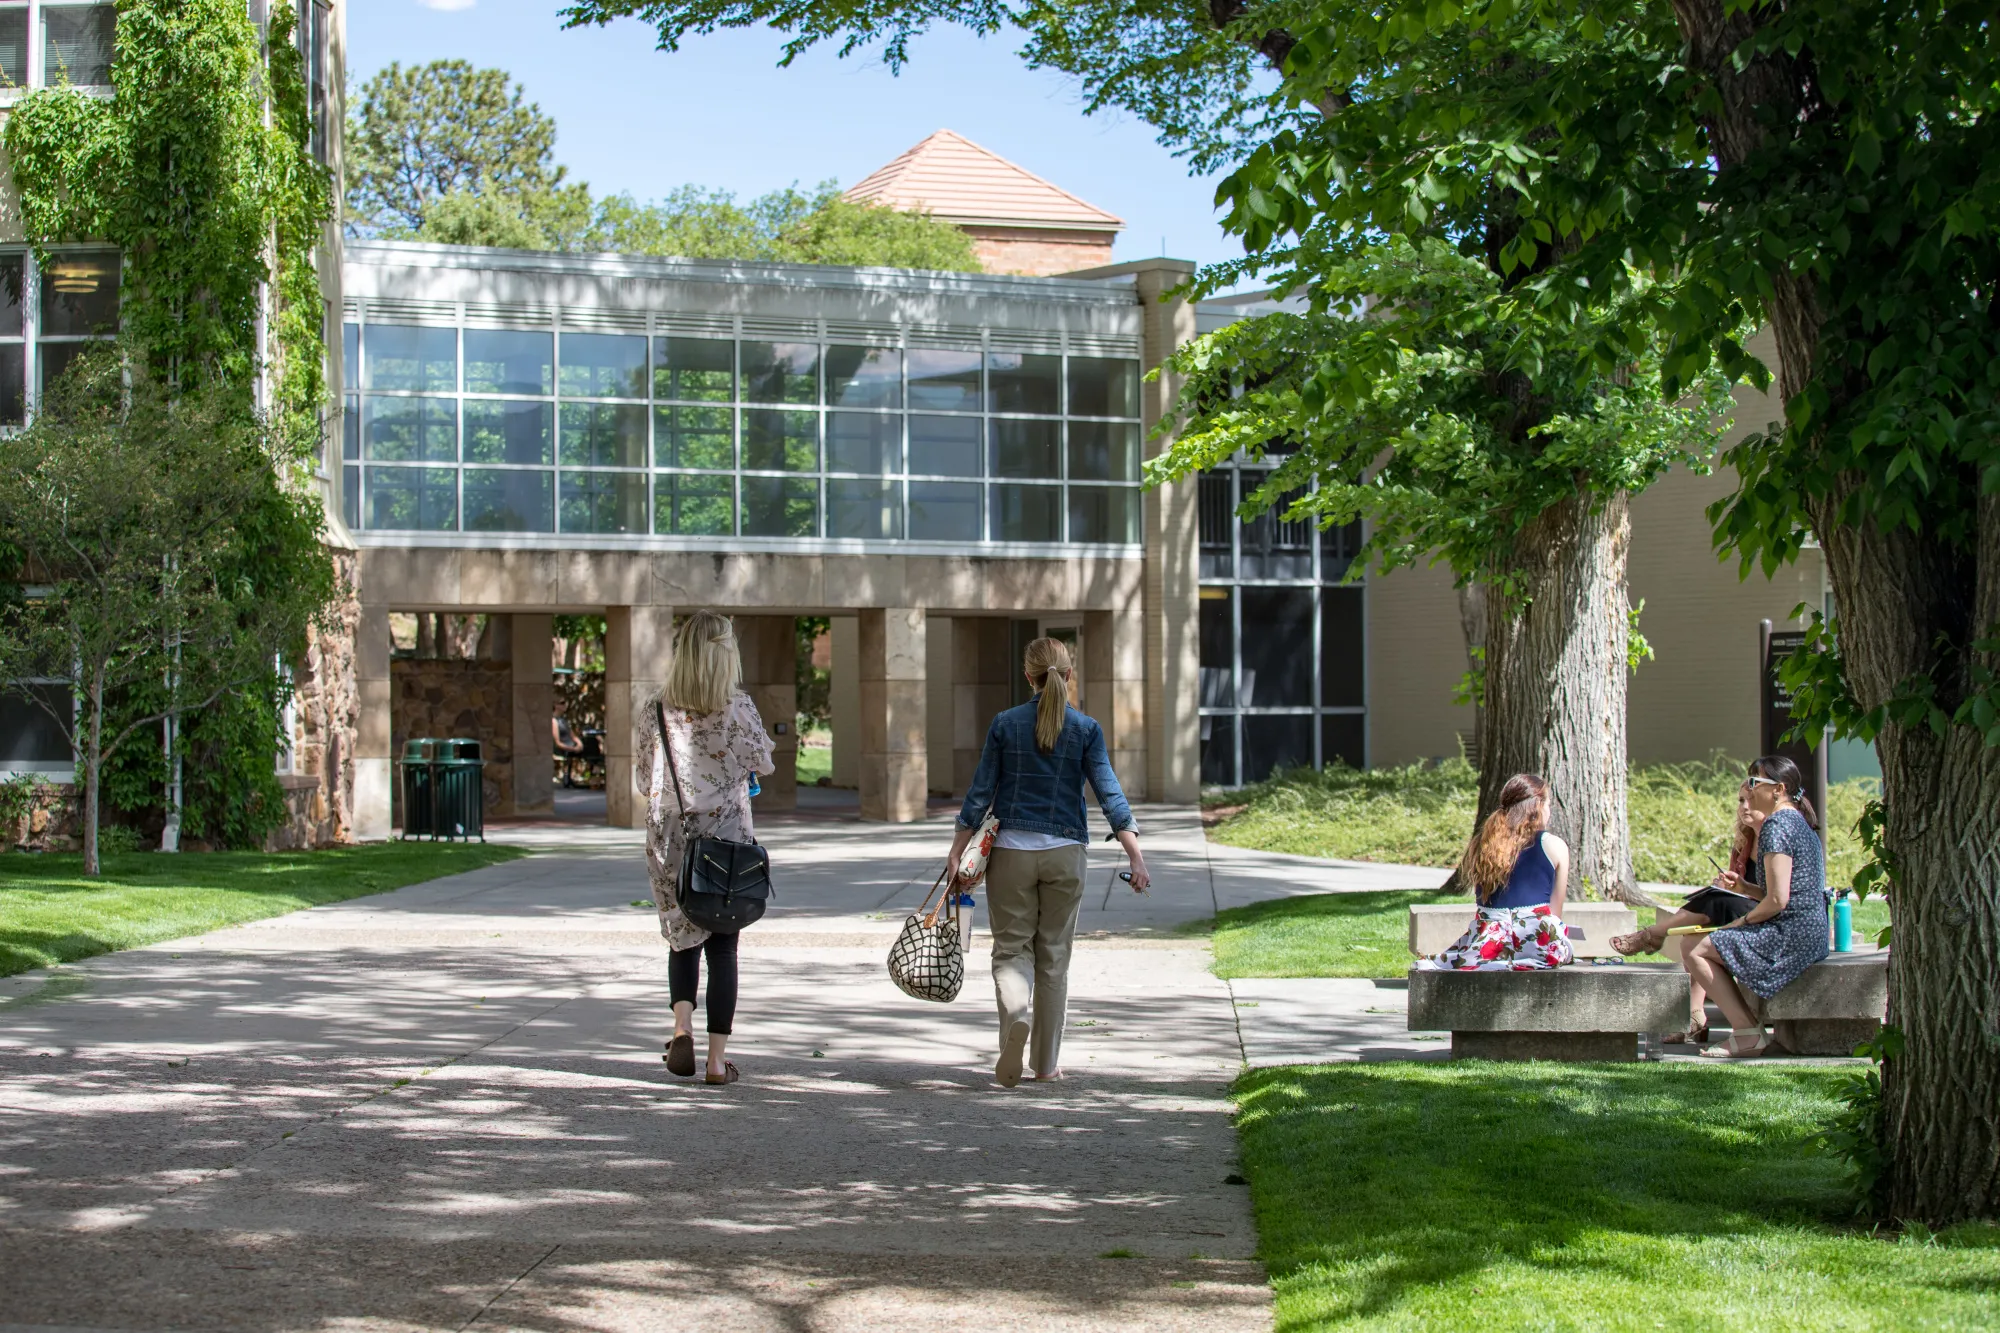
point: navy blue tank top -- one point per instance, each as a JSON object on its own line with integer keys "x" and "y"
{"x": 1532, "y": 880}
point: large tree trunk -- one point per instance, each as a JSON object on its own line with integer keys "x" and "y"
{"x": 1555, "y": 682}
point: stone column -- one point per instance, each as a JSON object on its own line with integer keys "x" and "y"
{"x": 982, "y": 662}
{"x": 845, "y": 702}
{"x": 893, "y": 751}
{"x": 374, "y": 767}
{"x": 771, "y": 679}
{"x": 638, "y": 640}
{"x": 939, "y": 731}
{"x": 532, "y": 658}
{"x": 1114, "y": 670}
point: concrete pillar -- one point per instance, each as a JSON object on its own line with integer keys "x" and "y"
{"x": 532, "y": 655}
{"x": 1172, "y": 583}
{"x": 1114, "y": 673}
{"x": 982, "y": 668}
{"x": 771, "y": 679}
{"x": 845, "y": 702}
{"x": 893, "y": 750}
{"x": 374, "y": 769}
{"x": 938, "y": 729}
{"x": 638, "y": 640}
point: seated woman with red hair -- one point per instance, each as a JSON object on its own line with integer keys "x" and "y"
{"x": 1520, "y": 874}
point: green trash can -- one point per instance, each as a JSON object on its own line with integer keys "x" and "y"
{"x": 458, "y": 791}
{"x": 419, "y": 788}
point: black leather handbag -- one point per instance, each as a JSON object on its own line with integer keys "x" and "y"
{"x": 725, "y": 885}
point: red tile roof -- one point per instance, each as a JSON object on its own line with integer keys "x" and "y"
{"x": 957, "y": 181}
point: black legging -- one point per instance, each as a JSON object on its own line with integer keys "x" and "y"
{"x": 684, "y": 978}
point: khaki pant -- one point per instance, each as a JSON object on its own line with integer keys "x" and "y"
{"x": 1032, "y": 900}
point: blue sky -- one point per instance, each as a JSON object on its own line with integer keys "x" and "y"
{"x": 719, "y": 113}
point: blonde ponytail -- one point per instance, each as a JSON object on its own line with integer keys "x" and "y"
{"x": 1050, "y": 658}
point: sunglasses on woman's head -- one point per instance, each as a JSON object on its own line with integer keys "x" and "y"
{"x": 1753, "y": 782}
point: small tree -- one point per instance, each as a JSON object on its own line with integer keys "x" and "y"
{"x": 130, "y": 511}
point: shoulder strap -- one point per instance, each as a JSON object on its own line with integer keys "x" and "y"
{"x": 666, "y": 741}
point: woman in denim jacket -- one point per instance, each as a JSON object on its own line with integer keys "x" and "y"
{"x": 1031, "y": 777}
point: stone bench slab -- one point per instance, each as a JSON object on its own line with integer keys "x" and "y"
{"x": 1833, "y": 1006}
{"x": 1564, "y": 1013}
{"x": 1435, "y": 927}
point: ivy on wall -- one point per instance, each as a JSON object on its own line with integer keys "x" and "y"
{"x": 218, "y": 209}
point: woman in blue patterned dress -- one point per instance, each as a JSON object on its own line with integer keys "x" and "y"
{"x": 1786, "y": 933}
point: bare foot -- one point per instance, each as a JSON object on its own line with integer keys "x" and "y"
{"x": 1056, "y": 1077}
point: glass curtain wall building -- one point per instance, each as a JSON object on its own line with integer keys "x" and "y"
{"x": 719, "y": 428}
{"x": 1283, "y": 641}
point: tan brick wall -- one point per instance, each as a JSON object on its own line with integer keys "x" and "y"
{"x": 1038, "y": 253}
{"x": 1416, "y": 657}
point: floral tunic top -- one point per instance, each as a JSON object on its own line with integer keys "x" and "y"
{"x": 714, "y": 756}
{"x": 1769, "y": 956}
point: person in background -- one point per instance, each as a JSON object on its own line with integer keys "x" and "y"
{"x": 716, "y": 744}
{"x": 1520, "y": 875}
{"x": 1031, "y": 775}
{"x": 566, "y": 742}
{"x": 1764, "y": 950}
{"x": 1735, "y": 890}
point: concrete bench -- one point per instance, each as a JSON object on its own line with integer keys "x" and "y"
{"x": 1833, "y": 1006}
{"x": 1434, "y": 927}
{"x": 1564, "y": 1013}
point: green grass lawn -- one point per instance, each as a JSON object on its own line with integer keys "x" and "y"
{"x": 1535, "y": 1196}
{"x": 815, "y": 762}
{"x": 51, "y": 913}
{"x": 1680, "y": 814}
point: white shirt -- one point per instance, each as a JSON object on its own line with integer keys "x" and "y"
{"x": 1020, "y": 840}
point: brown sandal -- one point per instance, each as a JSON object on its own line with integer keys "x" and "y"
{"x": 680, "y": 1055}
{"x": 729, "y": 1074}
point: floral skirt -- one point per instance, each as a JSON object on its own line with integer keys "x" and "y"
{"x": 1506, "y": 939}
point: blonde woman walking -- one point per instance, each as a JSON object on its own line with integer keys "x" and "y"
{"x": 714, "y": 742}
{"x": 1031, "y": 775}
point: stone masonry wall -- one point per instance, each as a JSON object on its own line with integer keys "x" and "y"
{"x": 328, "y": 709}
{"x": 444, "y": 698}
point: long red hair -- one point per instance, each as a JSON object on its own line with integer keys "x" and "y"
{"x": 1499, "y": 842}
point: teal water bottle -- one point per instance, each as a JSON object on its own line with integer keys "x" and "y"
{"x": 1843, "y": 923}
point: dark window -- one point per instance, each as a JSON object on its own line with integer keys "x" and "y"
{"x": 943, "y": 381}
{"x": 1104, "y": 514}
{"x": 780, "y": 372}
{"x": 696, "y": 370}
{"x": 508, "y": 430}
{"x": 1274, "y": 742}
{"x": 781, "y": 441}
{"x": 1218, "y": 522}
{"x": 509, "y": 500}
{"x": 944, "y": 511}
{"x": 864, "y": 510}
{"x": 14, "y": 46}
{"x": 30, "y": 739}
{"x": 79, "y": 43}
{"x": 1027, "y": 513}
{"x": 945, "y": 446}
{"x": 694, "y": 506}
{"x": 1340, "y": 648}
{"x": 1275, "y": 547}
{"x": 1277, "y": 647}
{"x": 1026, "y": 449}
{"x": 1218, "y": 751}
{"x": 1103, "y": 387}
{"x": 693, "y": 437}
{"x": 1343, "y": 739}
{"x": 780, "y": 507}
{"x": 1024, "y": 382}
{"x": 350, "y": 356}
{"x": 1218, "y": 649}
{"x": 602, "y": 502}
{"x": 864, "y": 377}
{"x": 869, "y": 442}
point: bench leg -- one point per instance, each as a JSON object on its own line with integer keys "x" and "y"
{"x": 1544, "y": 1046}
{"x": 1823, "y": 1036}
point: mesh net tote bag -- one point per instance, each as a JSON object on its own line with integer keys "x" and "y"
{"x": 927, "y": 961}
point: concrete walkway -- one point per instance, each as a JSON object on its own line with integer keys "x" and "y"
{"x": 445, "y": 1106}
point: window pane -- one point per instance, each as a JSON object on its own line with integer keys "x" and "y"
{"x": 780, "y": 373}
{"x": 1022, "y": 382}
{"x": 509, "y": 500}
{"x": 1275, "y": 547}
{"x": 52, "y": 359}
{"x": 350, "y": 356}
{"x": 603, "y": 434}
{"x": 1103, "y": 451}
{"x": 78, "y": 45}
{"x": 30, "y": 737}
{"x": 870, "y": 510}
{"x": 864, "y": 442}
{"x": 80, "y": 293}
{"x": 1218, "y": 751}
{"x": 1340, "y": 645}
{"x": 11, "y": 269}
{"x": 603, "y": 365}
{"x": 500, "y": 430}
{"x": 420, "y": 499}
{"x": 1277, "y": 649}
{"x": 505, "y": 361}
{"x": 13, "y": 384}
{"x": 1217, "y": 522}
{"x": 1338, "y": 548}
{"x": 780, "y": 441}
{"x": 409, "y": 430}
{"x": 780, "y": 507}
{"x": 1218, "y": 649}
{"x": 1343, "y": 739}
{"x": 944, "y": 511}
{"x": 14, "y": 46}
{"x": 698, "y": 370}
{"x": 396, "y": 356}
{"x": 350, "y": 496}
{"x": 694, "y": 506}
{"x": 945, "y": 446}
{"x": 1272, "y": 743}
{"x": 944, "y": 381}
{"x": 864, "y": 377}
{"x": 693, "y": 437}
{"x": 1103, "y": 514}
{"x": 603, "y": 501}
{"x": 1027, "y": 513}
{"x": 1026, "y": 449}
{"x": 350, "y": 427}
{"x": 1101, "y": 386}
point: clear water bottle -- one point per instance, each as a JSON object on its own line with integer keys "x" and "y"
{"x": 964, "y": 919}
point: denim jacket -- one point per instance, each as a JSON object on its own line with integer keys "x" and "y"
{"x": 1043, "y": 793}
